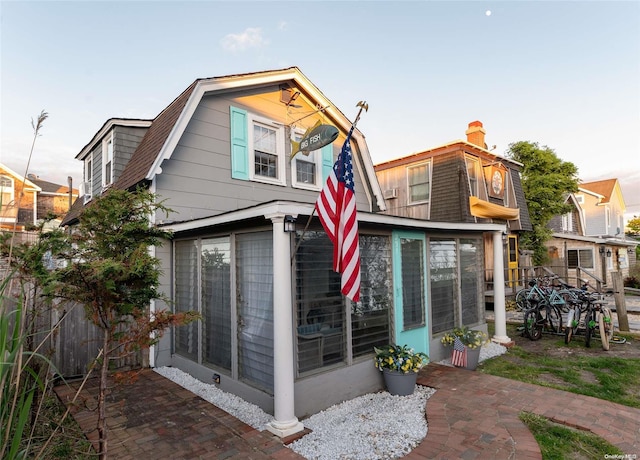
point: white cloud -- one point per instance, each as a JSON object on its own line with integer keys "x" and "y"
{"x": 282, "y": 25}
{"x": 249, "y": 38}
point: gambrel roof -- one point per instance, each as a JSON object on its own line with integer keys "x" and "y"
{"x": 165, "y": 131}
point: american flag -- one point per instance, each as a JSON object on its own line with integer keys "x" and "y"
{"x": 459, "y": 355}
{"x": 336, "y": 208}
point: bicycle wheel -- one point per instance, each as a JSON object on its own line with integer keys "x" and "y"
{"x": 533, "y": 324}
{"x": 573, "y": 321}
{"x": 554, "y": 318}
{"x": 606, "y": 327}
{"x": 521, "y": 299}
{"x": 589, "y": 325}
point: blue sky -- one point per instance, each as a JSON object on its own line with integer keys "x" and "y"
{"x": 563, "y": 74}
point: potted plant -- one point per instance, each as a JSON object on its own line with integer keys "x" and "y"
{"x": 399, "y": 365}
{"x": 466, "y": 352}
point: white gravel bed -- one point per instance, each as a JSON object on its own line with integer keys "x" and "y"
{"x": 376, "y": 425}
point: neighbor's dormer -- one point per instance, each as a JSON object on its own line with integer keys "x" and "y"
{"x": 108, "y": 152}
{"x": 461, "y": 181}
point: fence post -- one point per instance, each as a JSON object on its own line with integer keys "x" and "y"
{"x": 621, "y": 306}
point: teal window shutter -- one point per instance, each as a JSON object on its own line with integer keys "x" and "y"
{"x": 327, "y": 161}
{"x": 239, "y": 144}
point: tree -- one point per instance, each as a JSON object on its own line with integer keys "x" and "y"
{"x": 546, "y": 181}
{"x": 633, "y": 227}
{"x": 110, "y": 270}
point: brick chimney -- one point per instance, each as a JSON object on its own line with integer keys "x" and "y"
{"x": 475, "y": 134}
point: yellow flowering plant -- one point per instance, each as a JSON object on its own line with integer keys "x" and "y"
{"x": 399, "y": 358}
{"x": 471, "y": 338}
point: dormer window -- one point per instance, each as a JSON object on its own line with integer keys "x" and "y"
{"x": 107, "y": 161}
{"x": 87, "y": 184}
{"x": 474, "y": 175}
{"x": 419, "y": 181}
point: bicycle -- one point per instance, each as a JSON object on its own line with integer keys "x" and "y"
{"x": 543, "y": 316}
{"x": 599, "y": 316}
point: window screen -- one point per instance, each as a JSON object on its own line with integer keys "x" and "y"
{"x": 254, "y": 267}
{"x": 216, "y": 301}
{"x": 186, "y": 296}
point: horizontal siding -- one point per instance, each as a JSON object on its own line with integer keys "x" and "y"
{"x": 196, "y": 180}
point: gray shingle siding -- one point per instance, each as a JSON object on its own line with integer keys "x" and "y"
{"x": 521, "y": 202}
{"x": 450, "y": 189}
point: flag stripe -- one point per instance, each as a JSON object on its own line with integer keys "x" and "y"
{"x": 459, "y": 354}
{"x": 336, "y": 208}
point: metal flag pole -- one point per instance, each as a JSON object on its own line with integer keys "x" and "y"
{"x": 363, "y": 106}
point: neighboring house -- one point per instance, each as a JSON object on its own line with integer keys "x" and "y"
{"x": 461, "y": 181}
{"x": 249, "y": 254}
{"x": 26, "y": 201}
{"x": 589, "y": 243}
{"x": 603, "y": 207}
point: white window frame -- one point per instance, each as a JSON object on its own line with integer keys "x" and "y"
{"x": 475, "y": 162}
{"x": 567, "y": 222}
{"x": 108, "y": 140}
{"x": 315, "y": 157}
{"x": 580, "y": 198}
{"x": 88, "y": 177}
{"x": 280, "y": 178}
{"x": 409, "y": 167}
{"x": 12, "y": 190}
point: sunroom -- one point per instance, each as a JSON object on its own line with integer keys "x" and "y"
{"x": 276, "y": 330}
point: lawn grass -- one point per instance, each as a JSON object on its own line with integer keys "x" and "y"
{"x": 603, "y": 377}
{"x": 559, "y": 442}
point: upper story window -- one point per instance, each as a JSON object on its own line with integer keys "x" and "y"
{"x": 107, "y": 160}
{"x": 474, "y": 175}
{"x": 419, "y": 183}
{"x": 306, "y": 170}
{"x": 257, "y": 148}
{"x": 6, "y": 190}
{"x": 567, "y": 222}
{"x": 266, "y": 150}
{"x": 87, "y": 185}
{"x": 580, "y": 199}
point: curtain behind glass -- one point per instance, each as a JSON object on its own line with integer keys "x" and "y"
{"x": 469, "y": 284}
{"x": 370, "y": 316}
{"x": 412, "y": 282}
{"x": 186, "y": 296}
{"x": 254, "y": 267}
{"x": 442, "y": 272}
{"x": 216, "y": 301}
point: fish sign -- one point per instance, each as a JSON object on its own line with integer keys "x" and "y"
{"x": 314, "y": 138}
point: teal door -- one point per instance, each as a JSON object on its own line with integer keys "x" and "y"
{"x": 410, "y": 290}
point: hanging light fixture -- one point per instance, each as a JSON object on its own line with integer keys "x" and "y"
{"x": 289, "y": 224}
{"x": 608, "y": 252}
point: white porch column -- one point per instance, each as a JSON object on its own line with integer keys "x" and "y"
{"x": 499, "y": 309}
{"x": 285, "y": 422}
